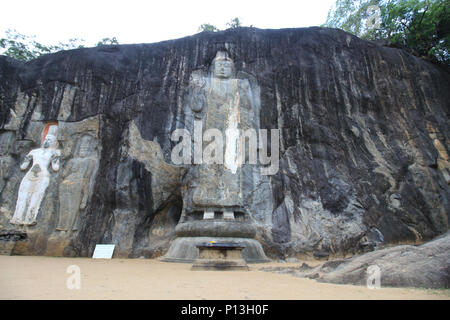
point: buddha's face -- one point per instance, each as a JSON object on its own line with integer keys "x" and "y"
{"x": 223, "y": 67}
{"x": 49, "y": 142}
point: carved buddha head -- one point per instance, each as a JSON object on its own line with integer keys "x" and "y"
{"x": 50, "y": 141}
{"x": 223, "y": 65}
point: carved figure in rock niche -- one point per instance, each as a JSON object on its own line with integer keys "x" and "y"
{"x": 35, "y": 182}
{"x": 76, "y": 186}
{"x": 6, "y": 161}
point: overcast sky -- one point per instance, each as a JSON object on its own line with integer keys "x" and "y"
{"x": 134, "y": 21}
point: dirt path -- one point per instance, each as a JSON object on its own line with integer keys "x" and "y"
{"x": 45, "y": 278}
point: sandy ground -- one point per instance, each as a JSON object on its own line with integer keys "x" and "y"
{"x": 46, "y": 278}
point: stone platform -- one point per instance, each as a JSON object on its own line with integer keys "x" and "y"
{"x": 220, "y": 257}
{"x": 185, "y": 249}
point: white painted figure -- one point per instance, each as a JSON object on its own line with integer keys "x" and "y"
{"x": 35, "y": 182}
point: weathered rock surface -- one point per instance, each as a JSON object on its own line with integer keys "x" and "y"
{"x": 424, "y": 266}
{"x": 364, "y": 142}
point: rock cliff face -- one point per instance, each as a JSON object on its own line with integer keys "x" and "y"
{"x": 364, "y": 143}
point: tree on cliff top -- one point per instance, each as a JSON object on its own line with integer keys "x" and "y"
{"x": 107, "y": 41}
{"x": 207, "y": 27}
{"x": 234, "y": 23}
{"x": 25, "y": 48}
{"x": 420, "y": 26}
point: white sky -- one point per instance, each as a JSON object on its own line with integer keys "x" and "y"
{"x": 135, "y": 21}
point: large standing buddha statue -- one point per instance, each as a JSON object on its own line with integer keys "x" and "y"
{"x": 222, "y": 106}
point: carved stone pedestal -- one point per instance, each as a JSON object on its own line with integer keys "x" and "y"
{"x": 185, "y": 249}
{"x": 220, "y": 257}
{"x": 219, "y": 228}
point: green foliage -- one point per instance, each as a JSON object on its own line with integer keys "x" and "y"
{"x": 234, "y": 23}
{"x": 351, "y": 16}
{"x": 107, "y": 41}
{"x": 421, "y": 26}
{"x": 25, "y": 48}
{"x": 207, "y": 27}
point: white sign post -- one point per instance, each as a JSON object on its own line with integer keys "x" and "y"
{"x": 103, "y": 251}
